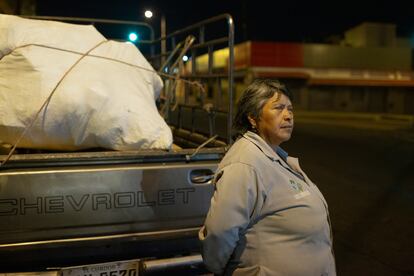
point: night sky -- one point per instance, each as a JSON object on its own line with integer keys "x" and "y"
{"x": 290, "y": 20}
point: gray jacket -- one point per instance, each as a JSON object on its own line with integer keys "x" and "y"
{"x": 266, "y": 216}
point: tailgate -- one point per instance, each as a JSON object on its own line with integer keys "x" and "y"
{"x": 96, "y": 206}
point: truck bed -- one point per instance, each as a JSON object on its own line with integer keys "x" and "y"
{"x": 60, "y": 209}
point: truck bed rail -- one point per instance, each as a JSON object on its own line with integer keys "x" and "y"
{"x": 112, "y": 158}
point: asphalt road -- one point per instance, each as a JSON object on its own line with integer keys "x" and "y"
{"x": 367, "y": 178}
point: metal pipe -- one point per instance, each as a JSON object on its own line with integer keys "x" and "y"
{"x": 201, "y": 23}
{"x": 163, "y": 38}
{"x": 96, "y": 20}
{"x": 230, "y": 23}
{"x": 152, "y": 266}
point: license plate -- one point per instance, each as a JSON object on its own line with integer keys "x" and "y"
{"x": 122, "y": 268}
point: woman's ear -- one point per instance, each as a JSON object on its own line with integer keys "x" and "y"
{"x": 252, "y": 121}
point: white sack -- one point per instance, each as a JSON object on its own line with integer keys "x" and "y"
{"x": 101, "y": 103}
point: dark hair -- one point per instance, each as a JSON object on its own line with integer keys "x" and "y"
{"x": 252, "y": 101}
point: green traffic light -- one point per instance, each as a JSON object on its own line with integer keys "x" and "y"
{"x": 133, "y": 37}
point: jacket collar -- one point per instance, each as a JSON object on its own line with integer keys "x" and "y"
{"x": 265, "y": 147}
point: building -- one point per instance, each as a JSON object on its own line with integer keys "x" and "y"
{"x": 370, "y": 70}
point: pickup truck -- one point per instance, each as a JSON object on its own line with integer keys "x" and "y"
{"x": 66, "y": 209}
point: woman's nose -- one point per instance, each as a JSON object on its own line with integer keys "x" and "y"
{"x": 287, "y": 114}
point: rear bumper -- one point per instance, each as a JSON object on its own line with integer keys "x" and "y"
{"x": 154, "y": 246}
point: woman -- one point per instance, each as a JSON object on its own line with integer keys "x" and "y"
{"x": 266, "y": 216}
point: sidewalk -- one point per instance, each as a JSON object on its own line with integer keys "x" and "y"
{"x": 400, "y": 126}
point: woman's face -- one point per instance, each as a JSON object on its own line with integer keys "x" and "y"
{"x": 275, "y": 124}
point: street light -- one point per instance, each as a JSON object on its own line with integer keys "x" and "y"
{"x": 149, "y": 14}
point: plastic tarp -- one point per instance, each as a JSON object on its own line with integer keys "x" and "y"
{"x": 106, "y": 100}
